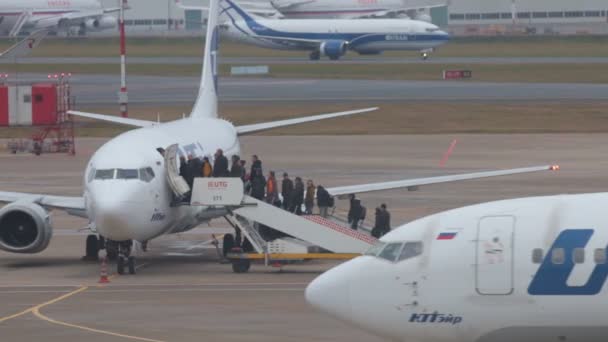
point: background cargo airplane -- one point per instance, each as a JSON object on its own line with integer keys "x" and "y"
{"x": 54, "y": 15}
{"x": 529, "y": 269}
{"x": 353, "y": 9}
{"x": 128, "y": 192}
{"x": 331, "y": 38}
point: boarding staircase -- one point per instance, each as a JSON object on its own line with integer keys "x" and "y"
{"x": 21, "y": 21}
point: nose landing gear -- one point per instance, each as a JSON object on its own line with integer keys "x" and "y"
{"x": 124, "y": 258}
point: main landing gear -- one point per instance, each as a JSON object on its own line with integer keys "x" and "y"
{"x": 315, "y": 55}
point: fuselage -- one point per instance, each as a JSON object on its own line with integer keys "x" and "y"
{"x": 362, "y": 35}
{"x": 41, "y": 10}
{"x": 531, "y": 269}
{"x": 331, "y": 9}
{"x": 126, "y": 201}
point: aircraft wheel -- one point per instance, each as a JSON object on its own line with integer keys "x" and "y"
{"x": 92, "y": 248}
{"x": 241, "y": 265}
{"x": 120, "y": 265}
{"x": 131, "y": 264}
{"x": 111, "y": 250}
{"x": 228, "y": 244}
{"x": 334, "y": 58}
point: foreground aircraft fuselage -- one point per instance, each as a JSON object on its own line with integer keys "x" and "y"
{"x": 127, "y": 201}
{"x": 531, "y": 269}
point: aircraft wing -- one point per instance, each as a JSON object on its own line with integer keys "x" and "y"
{"x": 341, "y": 192}
{"x": 397, "y": 11}
{"x": 72, "y": 205}
{"x": 254, "y": 8}
{"x": 24, "y": 47}
{"x": 114, "y": 119}
{"x": 248, "y": 129}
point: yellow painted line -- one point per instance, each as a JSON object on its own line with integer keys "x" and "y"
{"x": 24, "y": 312}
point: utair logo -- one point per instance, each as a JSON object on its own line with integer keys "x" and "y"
{"x": 436, "y": 318}
{"x": 552, "y": 277}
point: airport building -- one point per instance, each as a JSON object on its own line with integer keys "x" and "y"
{"x": 462, "y": 17}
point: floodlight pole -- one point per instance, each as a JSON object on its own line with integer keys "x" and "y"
{"x": 123, "y": 95}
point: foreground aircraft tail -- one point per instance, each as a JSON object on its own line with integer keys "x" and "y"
{"x": 206, "y": 103}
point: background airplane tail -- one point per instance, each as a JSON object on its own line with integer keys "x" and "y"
{"x": 206, "y": 103}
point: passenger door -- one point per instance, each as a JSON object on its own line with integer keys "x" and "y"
{"x": 494, "y": 264}
{"x": 176, "y": 182}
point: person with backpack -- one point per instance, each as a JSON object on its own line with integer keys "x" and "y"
{"x": 324, "y": 200}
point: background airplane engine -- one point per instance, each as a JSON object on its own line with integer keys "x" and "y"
{"x": 24, "y": 228}
{"x": 334, "y": 49}
{"x": 103, "y": 23}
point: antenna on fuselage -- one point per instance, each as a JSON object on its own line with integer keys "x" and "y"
{"x": 206, "y": 103}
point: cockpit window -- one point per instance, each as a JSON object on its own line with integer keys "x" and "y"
{"x": 127, "y": 174}
{"x": 391, "y": 251}
{"x": 91, "y": 175}
{"x": 146, "y": 174}
{"x": 104, "y": 174}
{"x": 375, "y": 249}
{"x": 410, "y": 250}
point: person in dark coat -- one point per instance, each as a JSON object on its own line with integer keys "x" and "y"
{"x": 323, "y": 201}
{"x": 386, "y": 220}
{"x": 236, "y": 171}
{"x": 196, "y": 167}
{"x": 287, "y": 191}
{"x": 298, "y": 196}
{"x": 258, "y": 186}
{"x": 256, "y": 164}
{"x": 377, "y": 230}
{"x": 355, "y": 213}
{"x": 220, "y": 166}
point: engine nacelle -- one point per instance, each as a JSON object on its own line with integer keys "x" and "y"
{"x": 424, "y": 17}
{"x": 103, "y": 23}
{"x": 334, "y": 49}
{"x": 25, "y": 227}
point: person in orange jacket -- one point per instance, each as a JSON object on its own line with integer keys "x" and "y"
{"x": 207, "y": 168}
{"x": 272, "y": 193}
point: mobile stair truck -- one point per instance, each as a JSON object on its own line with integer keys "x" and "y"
{"x": 274, "y": 236}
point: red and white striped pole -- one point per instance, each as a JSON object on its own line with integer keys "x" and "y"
{"x": 123, "y": 96}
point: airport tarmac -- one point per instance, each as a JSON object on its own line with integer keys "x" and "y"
{"x": 348, "y": 59}
{"x": 102, "y": 90}
{"x": 194, "y": 298}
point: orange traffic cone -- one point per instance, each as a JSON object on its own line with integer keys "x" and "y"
{"x": 104, "y": 279}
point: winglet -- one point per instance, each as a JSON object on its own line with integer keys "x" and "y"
{"x": 206, "y": 103}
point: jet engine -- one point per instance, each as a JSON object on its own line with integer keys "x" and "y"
{"x": 334, "y": 49}
{"x": 25, "y": 227}
{"x": 103, "y": 23}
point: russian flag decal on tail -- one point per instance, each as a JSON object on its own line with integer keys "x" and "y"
{"x": 447, "y": 235}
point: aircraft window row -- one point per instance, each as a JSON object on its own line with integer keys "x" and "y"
{"x": 143, "y": 174}
{"x": 558, "y": 256}
{"x": 528, "y": 15}
{"x": 396, "y": 251}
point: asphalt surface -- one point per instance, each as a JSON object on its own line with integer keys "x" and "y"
{"x": 304, "y": 60}
{"x": 192, "y": 297}
{"x": 102, "y": 90}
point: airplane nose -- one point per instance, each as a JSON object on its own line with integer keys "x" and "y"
{"x": 330, "y": 293}
{"x": 114, "y": 219}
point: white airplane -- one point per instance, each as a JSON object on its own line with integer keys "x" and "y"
{"x": 129, "y": 187}
{"x": 88, "y": 15}
{"x": 355, "y": 9}
{"x": 331, "y": 38}
{"x": 529, "y": 269}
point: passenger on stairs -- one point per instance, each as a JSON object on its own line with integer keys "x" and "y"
{"x": 298, "y": 197}
{"x": 207, "y": 168}
{"x": 272, "y": 193}
{"x": 220, "y": 166}
{"x": 184, "y": 171}
{"x": 309, "y": 199}
{"x": 287, "y": 191}
{"x": 355, "y": 213}
{"x": 256, "y": 164}
{"x": 258, "y": 185}
{"x": 323, "y": 201}
{"x": 235, "y": 170}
